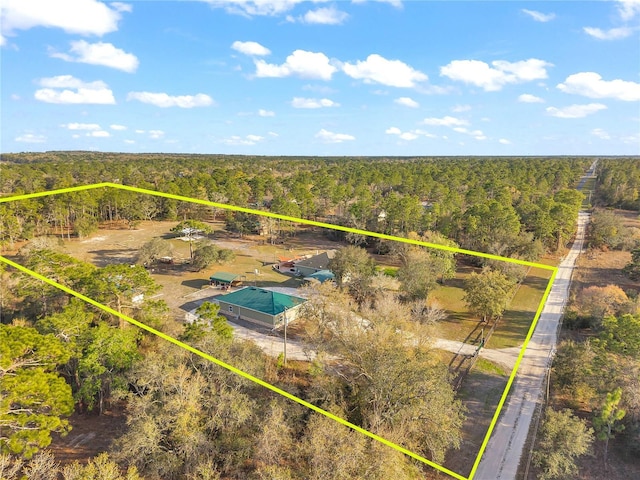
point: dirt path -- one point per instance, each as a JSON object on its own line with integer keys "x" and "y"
{"x": 505, "y": 357}
{"x": 90, "y": 435}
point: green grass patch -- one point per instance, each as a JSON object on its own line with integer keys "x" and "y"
{"x": 485, "y": 366}
{"x": 516, "y": 321}
{"x": 389, "y": 271}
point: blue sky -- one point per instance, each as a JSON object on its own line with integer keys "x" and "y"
{"x": 286, "y": 77}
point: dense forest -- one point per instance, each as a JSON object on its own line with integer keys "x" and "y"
{"x": 188, "y": 418}
{"x": 507, "y": 206}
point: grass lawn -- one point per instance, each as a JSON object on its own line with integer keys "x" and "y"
{"x": 514, "y": 325}
{"x": 516, "y": 321}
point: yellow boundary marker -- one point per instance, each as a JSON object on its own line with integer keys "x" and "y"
{"x": 267, "y": 385}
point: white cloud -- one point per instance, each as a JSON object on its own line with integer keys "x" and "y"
{"x": 255, "y": 7}
{"x": 478, "y": 73}
{"x": 74, "y": 91}
{"x": 300, "y": 63}
{"x": 377, "y": 69}
{"x": 99, "y": 134}
{"x": 122, "y": 7}
{"x": 590, "y": 84}
{"x": 140, "y": 131}
{"x": 616, "y": 33}
{"x": 407, "y": 102}
{"x": 600, "y": 133}
{"x": 100, "y": 53}
{"x": 330, "y": 137}
{"x": 628, "y": 9}
{"x": 477, "y": 134}
{"x": 164, "y": 100}
{"x": 250, "y": 48}
{"x": 31, "y": 138}
{"x": 393, "y": 3}
{"x": 423, "y": 133}
{"x": 538, "y": 16}
{"x": 528, "y": 98}
{"x": 461, "y": 108}
{"x": 319, "y": 89}
{"x": 299, "y": 102}
{"x": 266, "y": 113}
{"x": 156, "y": 134}
{"x": 408, "y": 136}
{"x": 3, "y": 41}
{"x": 81, "y": 126}
{"x": 273, "y": 134}
{"x": 631, "y": 139}
{"x": 237, "y": 140}
{"x": 117, "y": 127}
{"x": 576, "y": 111}
{"x": 445, "y": 121}
{"x": 130, "y": 141}
{"x": 325, "y": 16}
{"x": 83, "y": 17}
{"x": 504, "y": 141}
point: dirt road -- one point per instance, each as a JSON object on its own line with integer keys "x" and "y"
{"x": 504, "y": 450}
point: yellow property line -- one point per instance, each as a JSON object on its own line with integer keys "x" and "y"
{"x": 262, "y": 382}
{"x": 280, "y": 217}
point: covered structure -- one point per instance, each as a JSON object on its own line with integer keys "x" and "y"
{"x": 226, "y": 279}
{"x": 321, "y": 275}
{"x": 261, "y": 306}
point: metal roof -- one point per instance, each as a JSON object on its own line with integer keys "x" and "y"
{"x": 261, "y": 300}
{"x": 322, "y": 276}
{"x": 224, "y": 277}
{"x": 318, "y": 262}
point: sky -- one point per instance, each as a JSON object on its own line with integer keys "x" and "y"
{"x": 325, "y": 78}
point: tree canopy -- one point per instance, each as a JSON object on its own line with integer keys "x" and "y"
{"x": 34, "y": 398}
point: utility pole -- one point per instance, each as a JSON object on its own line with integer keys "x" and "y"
{"x": 285, "y": 337}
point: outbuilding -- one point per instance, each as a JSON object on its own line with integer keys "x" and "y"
{"x": 321, "y": 276}
{"x": 226, "y": 279}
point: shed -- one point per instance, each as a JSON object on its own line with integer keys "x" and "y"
{"x": 261, "y": 306}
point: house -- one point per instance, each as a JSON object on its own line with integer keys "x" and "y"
{"x": 225, "y": 279}
{"x": 314, "y": 264}
{"x": 287, "y": 264}
{"x": 261, "y": 306}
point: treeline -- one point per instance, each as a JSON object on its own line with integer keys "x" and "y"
{"x": 618, "y": 183}
{"x": 506, "y": 206}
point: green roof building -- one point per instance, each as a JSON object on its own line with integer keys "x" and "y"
{"x": 261, "y": 306}
{"x": 321, "y": 275}
{"x": 225, "y": 278}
